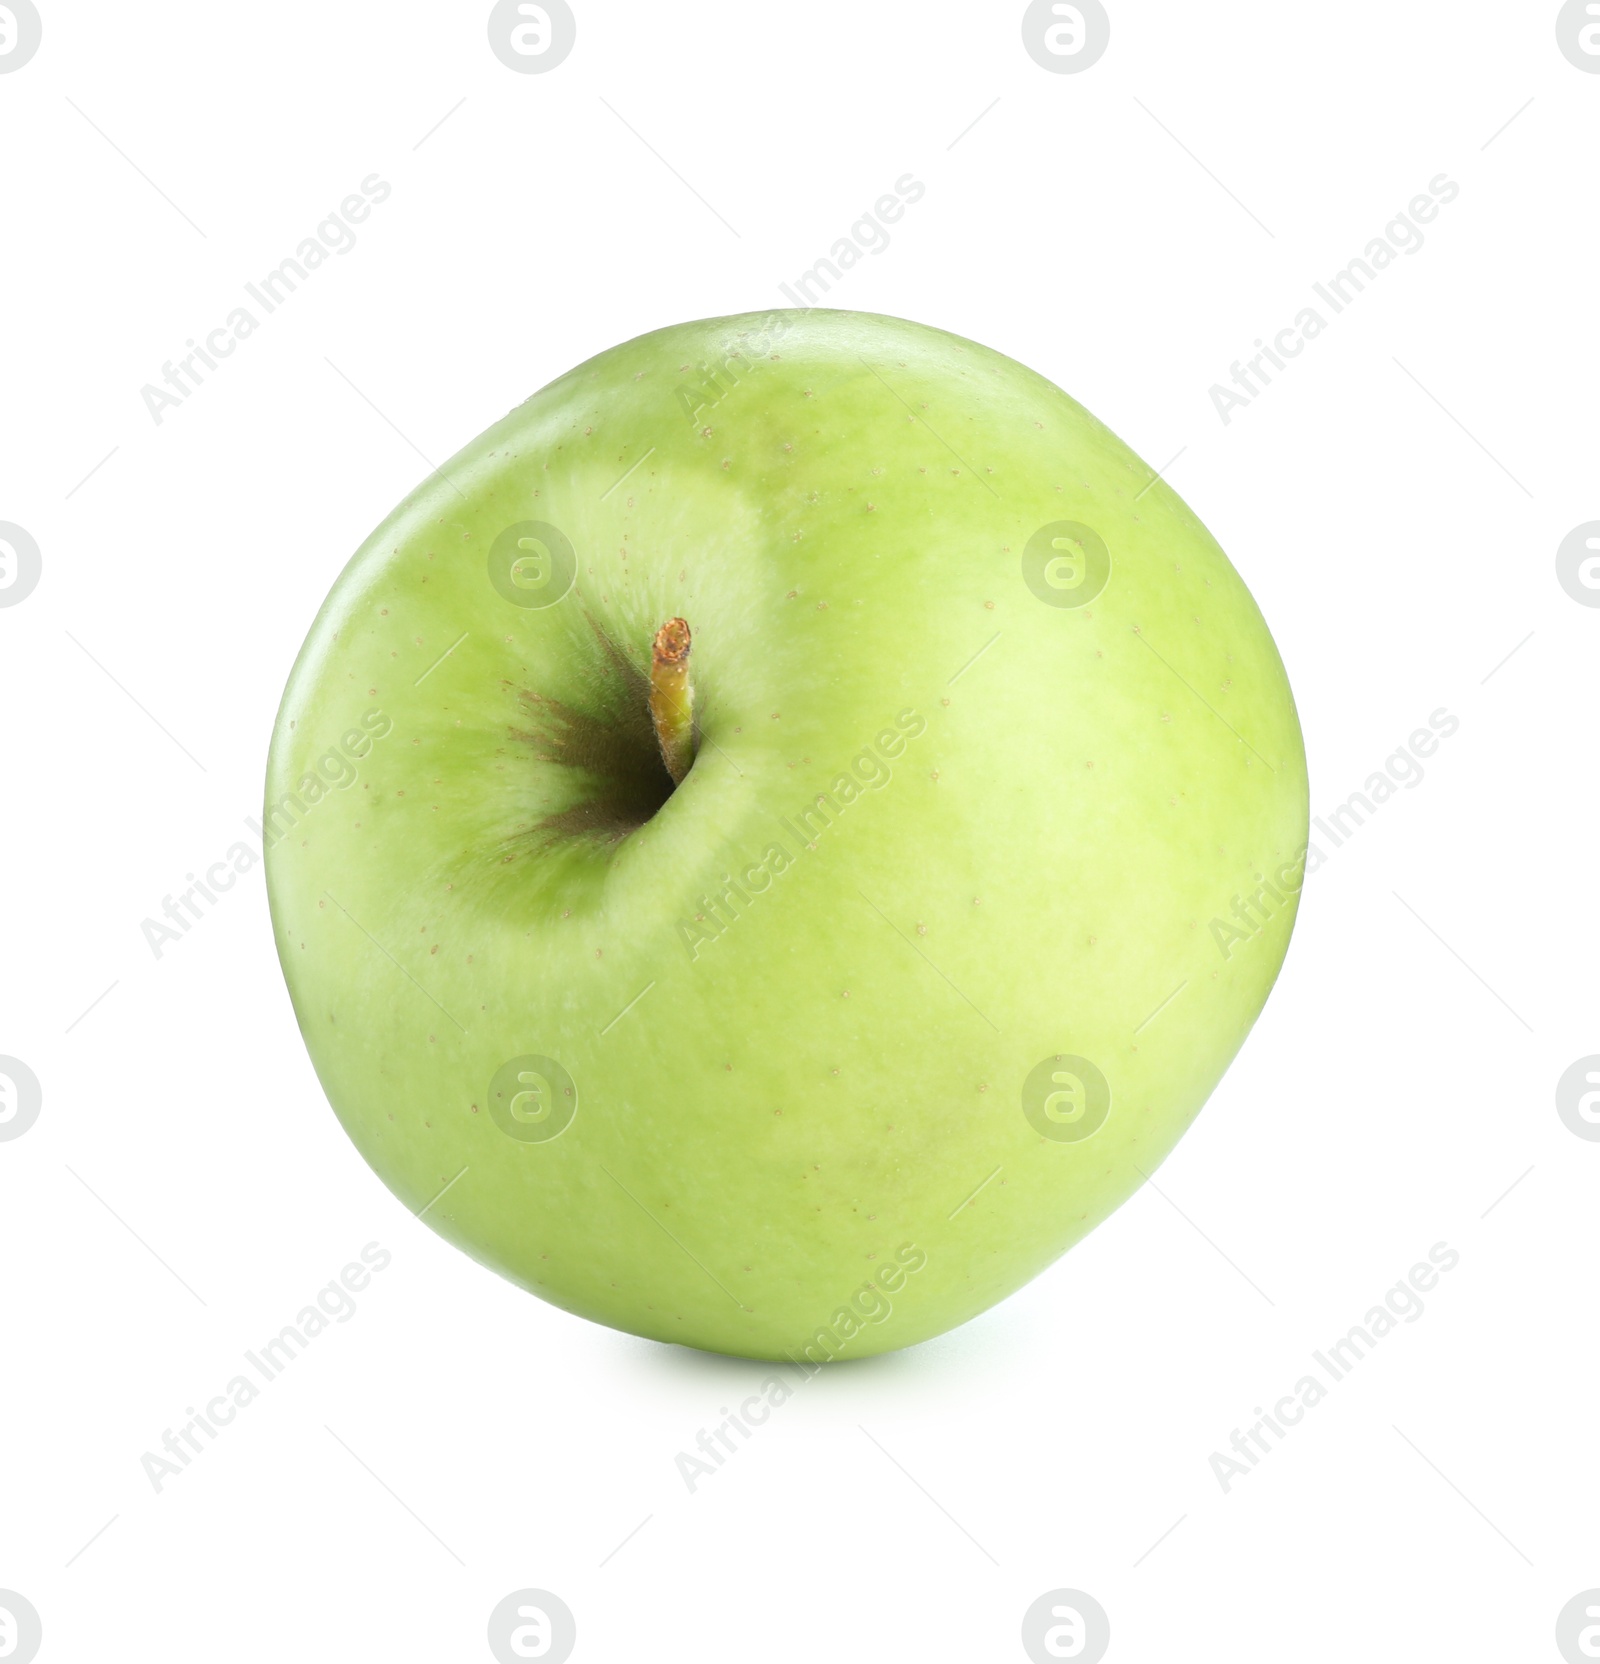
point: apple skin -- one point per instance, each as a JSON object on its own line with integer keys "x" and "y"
{"x": 771, "y": 1115}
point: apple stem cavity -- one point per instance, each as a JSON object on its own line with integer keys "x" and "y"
{"x": 672, "y": 697}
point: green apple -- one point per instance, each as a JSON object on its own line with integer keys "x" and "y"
{"x": 984, "y": 856}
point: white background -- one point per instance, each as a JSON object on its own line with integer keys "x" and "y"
{"x": 1398, "y": 527}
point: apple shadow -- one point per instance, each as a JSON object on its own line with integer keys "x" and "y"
{"x": 985, "y": 1345}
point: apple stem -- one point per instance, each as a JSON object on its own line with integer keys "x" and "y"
{"x": 672, "y": 697}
